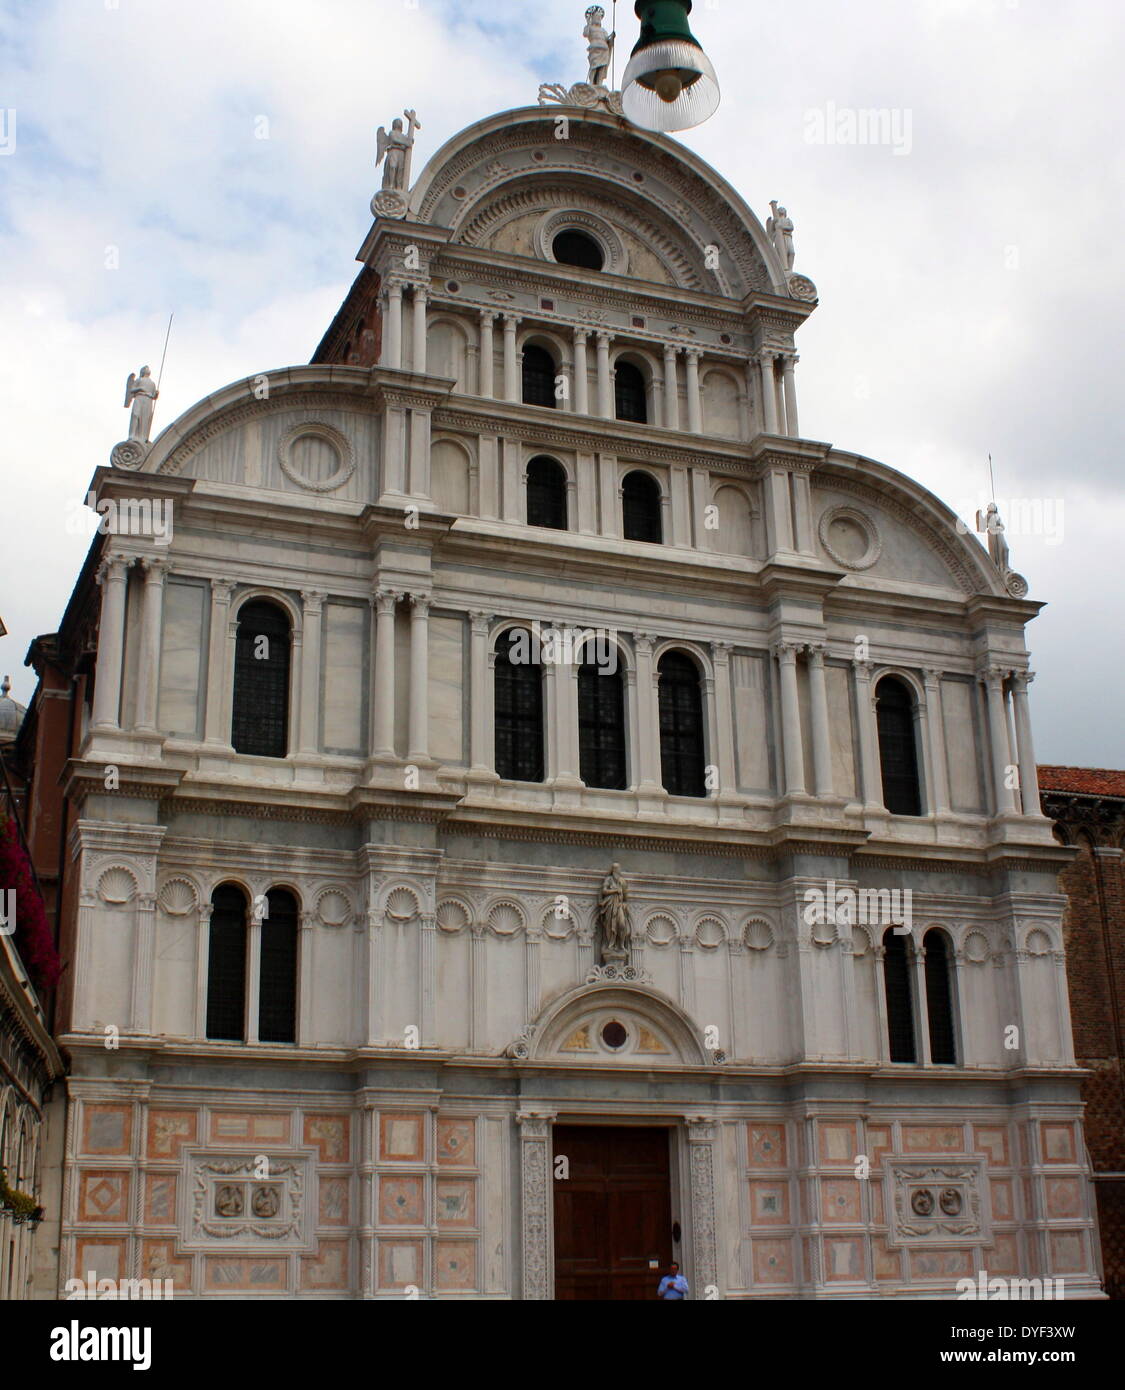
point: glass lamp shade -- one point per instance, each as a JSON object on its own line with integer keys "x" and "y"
{"x": 669, "y": 85}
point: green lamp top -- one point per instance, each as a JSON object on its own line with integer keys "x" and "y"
{"x": 664, "y": 21}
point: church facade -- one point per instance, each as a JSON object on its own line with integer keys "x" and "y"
{"x": 536, "y": 815}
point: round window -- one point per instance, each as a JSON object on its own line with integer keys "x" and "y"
{"x": 571, "y": 247}
{"x": 614, "y": 1035}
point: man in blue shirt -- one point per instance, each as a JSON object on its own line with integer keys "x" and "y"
{"x": 673, "y": 1285}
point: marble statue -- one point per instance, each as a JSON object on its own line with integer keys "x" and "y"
{"x": 613, "y": 917}
{"x": 600, "y": 46}
{"x": 141, "y": 394}
{"x": 779, "y": 228}
{"x": 997, "y": 542}
{"x": 396, "y": 149}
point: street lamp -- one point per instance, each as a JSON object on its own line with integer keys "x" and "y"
{"x": 669, "y": 83}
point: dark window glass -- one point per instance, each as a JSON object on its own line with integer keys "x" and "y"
{"x": 939, "y": 998}
{"x": 681, "y": 726}
{"x": 519, "y": 710}
{"x": 538, "y": 377}
{"x": 277, "y": 977}
{"x": 260, "y": 723}
{"x": 601, "y": 727}
{"x": 629, "y": 388}
{"x": 546, "y": 494}
{"x": 226, "y": 965}
{"x": 576, "y": 248}
{"x": 898, "y": 756}
{"x": 640, "y": 505}
{"x": 900, "y": 1006}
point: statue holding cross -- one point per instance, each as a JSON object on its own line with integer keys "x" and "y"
{"x": 396, "y": 148}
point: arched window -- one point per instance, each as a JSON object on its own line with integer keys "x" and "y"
{"x": 571, "y": 247}
{"x": 898, "y": 755}
{"x": 277, "y": 974}
{"x": 538, "y": 376}
{"x": 546, "y": 494}
{"x": 939, "y": 997}
{"x": 226, "y": 965}
{"x": 260, "y": 722}
{"x": 519, "y": 708}
{"x": 640, "y": 507}
{"x": 681, "y": 726}
{"x": 629, "y": 393}
{"x": 601, "y": 726}
{"x": 900, "y": 997}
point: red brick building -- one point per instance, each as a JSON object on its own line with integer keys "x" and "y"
{"x": 1088, "y": 808}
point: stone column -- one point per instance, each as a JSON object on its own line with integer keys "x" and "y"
{"x": 1029, "y": 777}
{"x": 383, "y": 700}
{"x": 478, "y": 692}
{"x": 701, "y": 1166}
{"x": 148, "y": 671}
{"x": 1004, "y": 796}
{"x": 789, "y": 362}
{"x": 312, "y": 610}
{"x": 419, "y": 737}
{"x": 113, "y": 576}
{"x": 605, "y": 380}
{"x": 801, "y": 493}
{"x": 254, "y": 968}
{"x": 537, "y": 1200}
{"x": 427, "y": 971}
{"x": 581, "y": 373}
{"x": 935, "y": 724}
{"x": 392, "y": 334}
{"x": 512, "y": 391}
{"x": 786, "y": 653}
{"x": 420, "y": 298}
{"x": 769, "y": 393}
{"x": 724, "y": 716}
{"x": 818, "y": 708}
{"x": 306, "y": 972}
{"x": 487, "y": 355}
{"x": 648, "y": 723}
{"x": 375, "y": 977}
{"x": 868, "y": 736}
{"x": 214, "y": 729}
{"x": 671, "y": 388}
{"x": 202, "y": 955}
{"x": 694, "y": 399}
{"x": 917, "y": 954}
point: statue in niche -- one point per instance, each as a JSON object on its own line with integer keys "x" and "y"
{"x": 141, "y": 394}
{"x": 600, "y": 46}
{"x": 396, "y": 149}
{"x": 779, "y": 229}
{"x": 613, "y": 916}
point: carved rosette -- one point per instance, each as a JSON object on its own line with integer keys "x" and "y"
{"x": 130, "y": 453}
{"x": 388, "y": 203}
{"x": 1015, "y": 584}
{"x": 801, "y": 287}
{"x": 614, "y": 971}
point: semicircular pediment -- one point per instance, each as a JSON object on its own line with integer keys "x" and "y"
{"x": 616, "y": 1025}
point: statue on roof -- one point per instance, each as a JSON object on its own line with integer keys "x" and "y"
{"x": 779, "y": 229}
{"x": 141, "y": 394}
{"x": 396, "y": 148}
{"x": 989, "y": 520}
{"x": 600, "y": 51}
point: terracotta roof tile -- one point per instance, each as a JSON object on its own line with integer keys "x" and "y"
{"x": 1086, "y": 781}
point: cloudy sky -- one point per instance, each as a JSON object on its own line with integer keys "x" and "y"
{"x": 969, "y": 270}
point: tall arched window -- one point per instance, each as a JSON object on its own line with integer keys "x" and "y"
{"x": 546, "y": 494}
{"x": 629, "y": 393}
{"x": 226, "y": 965}
{"x": 900, "y": 997}
{"x": 640, "y": 508}
{"x": 601, "y": 726}
{"x": 260, "y": 722}
{"x": 519, "y": 708}
{"x": 538, "y": 376}
{"x": 898, "y": 754}
{"x": 681, "y": 726}
{"x": 277, "y": 973}
{"x": 939, "y": 997}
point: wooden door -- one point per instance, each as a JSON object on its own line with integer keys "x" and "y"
{"x": 613, "y": 1214}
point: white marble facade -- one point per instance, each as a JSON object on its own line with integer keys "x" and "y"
{"x": 445, "y": 1016}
